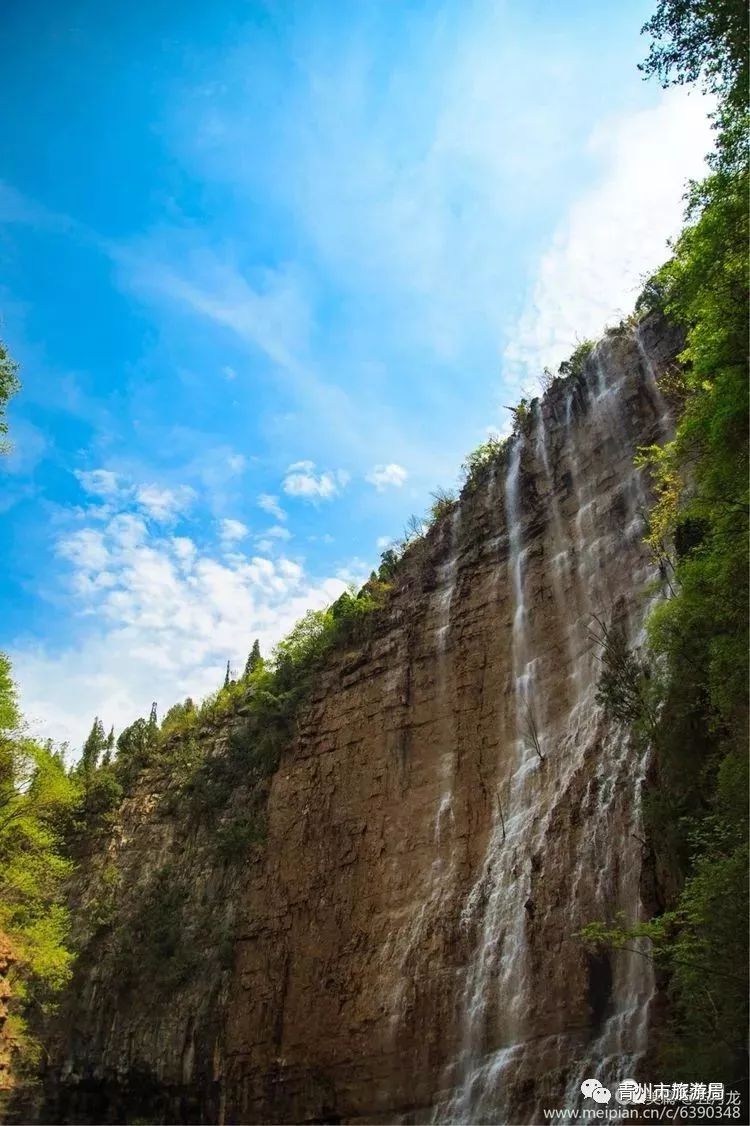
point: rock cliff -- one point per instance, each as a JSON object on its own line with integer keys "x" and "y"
{"x": 450, "y": 811}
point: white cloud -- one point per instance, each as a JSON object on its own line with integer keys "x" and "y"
{"x": 381, "y": 476}
{"x": 100, "y": 482}
{"x": 232, "y": 531}
{"x": 228, "y": 372}
{"x": 270, "y": 540}
{"x": 354, "y": 572}
{"x": 302, "y": 481}
{"x": 236, "y": 462}
{"x": 383, "y": 542}
{"x": 86, "y": 549}
{"x": 271, "y": 313}
{"x": 184, "y": 549}
{"x": 269, "y": 310}
{"x": 615, "y": 234}
{"x": 271, "y": 505}
{"x": 278, "y": 532}
{"x": 163, "y": 618}
{"x": 159, "y": 502}
{"x": 162, "y": 503}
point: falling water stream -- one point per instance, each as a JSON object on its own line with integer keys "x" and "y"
{"x": 546, "y": 762}
{"x": 443, "y": 868}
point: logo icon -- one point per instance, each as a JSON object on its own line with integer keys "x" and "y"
{"x": 593, "y": 1089}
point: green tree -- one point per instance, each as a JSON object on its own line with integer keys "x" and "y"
{"x": 688, "y": 695}
{"x": 109, "y": 746}
{"x": 137, "y": 746}
{"x": 8, "y": 386}
{"x": 179, "y": 716}
{"x": 696, "y": 41}
{"x": 706, "y": 41}
{"x": 576, "y": 362}
{"x": 254, "y": 659}
{"x": 95, "y": 744}
{"x": 36, "y": 797}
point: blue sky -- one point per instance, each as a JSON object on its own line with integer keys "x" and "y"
{"x": 271, "y": 270}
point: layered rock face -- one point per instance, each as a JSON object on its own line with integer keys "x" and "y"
{"x": 452, "y": 810}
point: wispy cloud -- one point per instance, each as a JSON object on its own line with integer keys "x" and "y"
{"x": 162, "y": 503}
{"x": 383, "y": 476}
{"x": 277, "y": 532}
{"x": 159, "y": 502}
{"x": 100, "y": 482}
{"x": 406, "y": 177}
{"x": 232, "y": 531}
{"x": 236, "y": 462}
{"x": 616, "y": 232}
{"x": 271, "y": 505}
{"x": 272, "y": 314}
{"x": 301, "y": 480}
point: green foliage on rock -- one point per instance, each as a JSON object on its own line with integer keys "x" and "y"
{"x": 257, "y": 711}
{"x": 688, "y": 696}
{"x": 152, "y": 944}
{"x": 36, "y": 799}
{"x": 137, "y": 747}
{"x": 444, "y": 502}
{"x": 576, "y": 362}
{"x": 480, "y": 459}
{"x": 179, "y": 716}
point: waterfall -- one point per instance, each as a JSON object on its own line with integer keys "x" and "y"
{"x": 407, "y": 942}
{"x": 500, "y": 896}
{"x": 567, "y": 785}
{"x": 562, "y": 561}
{"x": 660, "y": 405}
{"x": 447, "y": 576}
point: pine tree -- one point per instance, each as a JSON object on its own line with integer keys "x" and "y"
{"x": 152, "y": 719}
{"x": 227, "y": 677}
{"x": 254, "y": 659}
{"x": 93, "y": 747}
{"x": 108, "y": 748}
